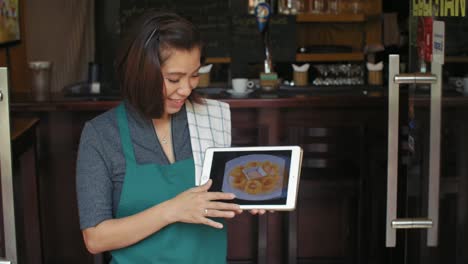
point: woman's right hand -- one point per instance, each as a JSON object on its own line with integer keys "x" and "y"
{"x": 197, "y": 206}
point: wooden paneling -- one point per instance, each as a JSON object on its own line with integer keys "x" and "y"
{"x": 327, "y": 219}
{"x": 352, "y": 56}
{"x": 60, "y": 223}
{"x": 58, "y": 136}
{"x": 242, "y": 232}
{"x": 27, "y": 206}
{"x": 322, "y": 231}
{"x": 245, "y": 131}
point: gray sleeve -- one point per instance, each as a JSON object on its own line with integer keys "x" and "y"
{"x": 93, "y": 179}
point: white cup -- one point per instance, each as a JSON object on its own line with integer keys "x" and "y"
{"x": 240, "y": 85}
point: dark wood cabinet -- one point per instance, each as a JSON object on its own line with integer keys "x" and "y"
{"x": 330, "y": 202}
{"x": 340, "y": 213}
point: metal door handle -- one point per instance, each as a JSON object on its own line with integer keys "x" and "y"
{"x": 392, "y": 163}
{"x": 411, "y": 223}
{"x": 434, "y": 154}
{"x": 1, "y": 96}
{"x": 415, "y": 78}
{"x": 431, "y": 222}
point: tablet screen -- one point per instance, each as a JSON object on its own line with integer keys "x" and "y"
{"x": 255, "y": 177}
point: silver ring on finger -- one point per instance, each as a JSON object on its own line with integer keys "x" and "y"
{"x": 206, "y": 211}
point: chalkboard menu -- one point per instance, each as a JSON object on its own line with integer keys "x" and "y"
{"x": 186, "y": 8}
{"x": 247, "y": 43}
{"x": 214, "y": 31}
{"x": 456, "y": 42}
{"x": 225, "y": 33}
{"x": 210, "y": 16}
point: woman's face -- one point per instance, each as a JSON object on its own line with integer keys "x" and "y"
{"x": 180, "y": 74}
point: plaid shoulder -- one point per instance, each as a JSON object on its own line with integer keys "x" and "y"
{"x": 217, "y": 103}
{"x": 220, "y": 116}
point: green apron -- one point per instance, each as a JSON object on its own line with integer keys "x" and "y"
{"x": 150, "y": 184}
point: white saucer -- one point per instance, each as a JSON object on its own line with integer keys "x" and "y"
{"x": 239, "y": 94}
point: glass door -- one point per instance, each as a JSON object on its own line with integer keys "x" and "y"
{"x": 426, "y": 219}
{"x": 8, "y": 248}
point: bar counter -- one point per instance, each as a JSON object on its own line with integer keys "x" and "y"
{"x": 344, "y": 138}
{"x": 360, "y": 97}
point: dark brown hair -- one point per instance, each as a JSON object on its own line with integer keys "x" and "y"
{"x": 145, "y": 48}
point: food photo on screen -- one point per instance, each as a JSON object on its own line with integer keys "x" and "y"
{"x": 253, "y": 178}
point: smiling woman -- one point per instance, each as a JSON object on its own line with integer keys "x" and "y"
{"x": 135, "y": 211}
{"x": 180, "y": 74}
{"x": 152, "y": 49}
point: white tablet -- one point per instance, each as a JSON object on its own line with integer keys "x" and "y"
{"x": 260, "y": 177}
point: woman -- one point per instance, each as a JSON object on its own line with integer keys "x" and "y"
{"x": 139, "y": 163}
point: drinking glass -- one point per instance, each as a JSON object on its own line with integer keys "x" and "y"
{"x": 356, "y": 6}
{"x": 289, "y": 7}
{"x": 316, "y": 6}
{"x": 334, "y": 6}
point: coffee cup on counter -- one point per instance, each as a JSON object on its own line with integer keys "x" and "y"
{"x": 240, "y": 85}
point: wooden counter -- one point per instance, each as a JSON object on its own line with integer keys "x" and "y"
{"x": 344, "y": 99}
{"x": 346, "y": 154}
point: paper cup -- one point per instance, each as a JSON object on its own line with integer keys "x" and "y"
{"x": 204, "y": 80}
{"x": 301, "y": 78}
{"x": 374, "y": 78}
{"x": 40, "y": 77}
